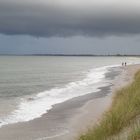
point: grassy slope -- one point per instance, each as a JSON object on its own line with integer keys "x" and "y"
{"x": 125, "y": 109}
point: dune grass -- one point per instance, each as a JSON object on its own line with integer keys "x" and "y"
{"x": 135, "y": 132}
{"x": 125, "y": 108}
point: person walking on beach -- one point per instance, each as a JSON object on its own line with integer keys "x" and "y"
{"x": 122, "y": 63}
{"x": 125, "y": 63}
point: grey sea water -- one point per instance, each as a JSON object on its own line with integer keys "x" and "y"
{"x": 30, "y": 85}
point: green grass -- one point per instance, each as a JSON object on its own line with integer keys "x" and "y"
{"x": 125, "y": 108}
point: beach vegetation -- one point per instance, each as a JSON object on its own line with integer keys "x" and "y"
{"x": 124, "y": 111}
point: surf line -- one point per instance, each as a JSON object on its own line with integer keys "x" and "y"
{"x": 54, "y": 136}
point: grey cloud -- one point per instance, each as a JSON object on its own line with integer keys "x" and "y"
{"x": 48, "y": 20}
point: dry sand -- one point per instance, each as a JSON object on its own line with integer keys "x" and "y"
{"x": 66, "y": 121}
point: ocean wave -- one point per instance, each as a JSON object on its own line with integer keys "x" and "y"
{"x": 34, "y": 107}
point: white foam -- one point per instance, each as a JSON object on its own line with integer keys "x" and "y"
{"x": 34, "y": 107}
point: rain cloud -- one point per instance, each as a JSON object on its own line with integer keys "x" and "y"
{"x": 64, "y": 18}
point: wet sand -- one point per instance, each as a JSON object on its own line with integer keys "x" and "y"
{"x": 66, "y": 121}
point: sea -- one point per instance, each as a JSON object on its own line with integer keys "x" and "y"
{"x": 31, "y": 85}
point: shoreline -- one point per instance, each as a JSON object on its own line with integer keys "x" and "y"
{"x": 121, "y": 120}
{"x": 69, "y": 115}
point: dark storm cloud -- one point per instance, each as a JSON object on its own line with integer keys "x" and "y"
{"x": 63, "y": 18}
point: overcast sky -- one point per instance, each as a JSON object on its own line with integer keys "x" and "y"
{"x": 70, "y": 26}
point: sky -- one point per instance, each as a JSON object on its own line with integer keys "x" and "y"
{"x": 69, "y": 27}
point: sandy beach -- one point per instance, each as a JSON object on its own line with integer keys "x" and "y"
{"x": 66, "y": 121}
